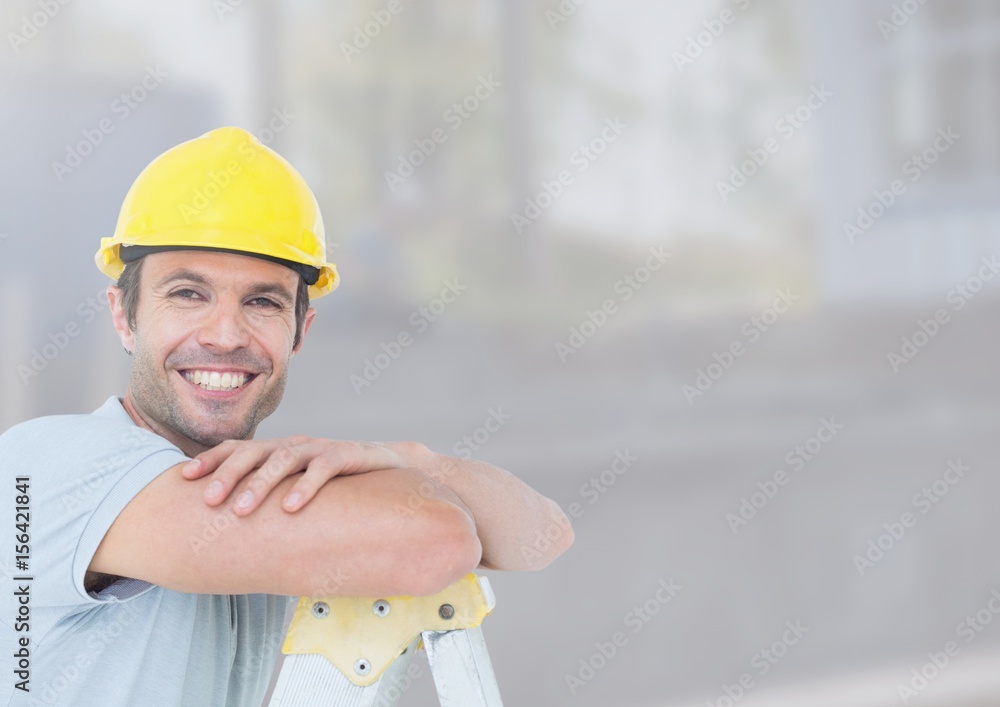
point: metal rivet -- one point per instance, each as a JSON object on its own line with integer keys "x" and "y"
{"x": 446, "y": 611}
{"x": 381, "y": 607}
{"x": 362, "y": 667}
{"x": 321, "y": 610}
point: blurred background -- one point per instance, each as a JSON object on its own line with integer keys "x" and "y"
{"x": 728, "y": 267}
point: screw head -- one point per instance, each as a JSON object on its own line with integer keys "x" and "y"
{"x": 381, "y": 608}
{"x": 447, "y": 611}
{"x": 321, "y": 610}
{"x": 362, "y": 667}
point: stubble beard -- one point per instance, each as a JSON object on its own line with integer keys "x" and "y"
{"x": 158, "y": 401}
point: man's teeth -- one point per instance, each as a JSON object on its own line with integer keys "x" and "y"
{"x": 213, "y": 380}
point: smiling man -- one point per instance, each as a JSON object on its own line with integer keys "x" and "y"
{"x": 165, "y": 542}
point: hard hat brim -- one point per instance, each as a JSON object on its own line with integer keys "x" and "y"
{"x": 111, "y": 260}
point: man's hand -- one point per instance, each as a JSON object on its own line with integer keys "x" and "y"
{"x": 270, "y": 461}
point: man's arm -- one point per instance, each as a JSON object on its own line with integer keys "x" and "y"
{"x": 519, "y": 528}
{"x": 353, "y": 538}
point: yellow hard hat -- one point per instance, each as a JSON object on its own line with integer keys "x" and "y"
{"x": 223, "y": 191}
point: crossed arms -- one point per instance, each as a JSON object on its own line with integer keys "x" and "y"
{"x": 371, "y": 519}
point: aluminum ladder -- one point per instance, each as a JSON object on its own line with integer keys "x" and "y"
{"x": 354, "y": 652}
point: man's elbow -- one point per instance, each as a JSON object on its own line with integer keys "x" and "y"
{"x": 435, "y": 547}
{"x": 563, "y": 543}
{"x": 449, "y": 550}
{"x": 551, "y": 541}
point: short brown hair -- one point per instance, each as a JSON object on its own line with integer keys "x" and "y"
{"x": 129, "y": 280}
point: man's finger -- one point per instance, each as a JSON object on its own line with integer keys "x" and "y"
{"x": 209, "y": 460}
{"x": 194, "y": 469}
{"x": 240, "y": 461}
{"x": 361, "y": 457}
{"x": 283, "y": 461}
{"x": 321, "y": 459}
{"x": 317, "y": 473}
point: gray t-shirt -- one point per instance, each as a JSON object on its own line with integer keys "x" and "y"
{"x": 133, "y": 643}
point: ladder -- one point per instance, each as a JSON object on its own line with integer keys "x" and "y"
{"x": 354, "y": 652}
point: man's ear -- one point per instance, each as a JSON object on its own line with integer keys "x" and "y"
{"x": 118, "y": 318}
{"x": 310, "y": 315}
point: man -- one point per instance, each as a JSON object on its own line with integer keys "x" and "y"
{"x": 162, "y": 543}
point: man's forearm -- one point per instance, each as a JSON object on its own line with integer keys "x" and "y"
{"x": 519, "y": 528}
{"x": 516, "y": 527}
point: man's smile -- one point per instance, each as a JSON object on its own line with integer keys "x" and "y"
{"x": 217, "y": 380}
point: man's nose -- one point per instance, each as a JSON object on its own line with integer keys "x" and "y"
{"x": 225, "y": 328}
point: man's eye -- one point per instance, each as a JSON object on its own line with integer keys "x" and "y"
{"x": 184, "y": 294}
{"x": 265, "y": 302}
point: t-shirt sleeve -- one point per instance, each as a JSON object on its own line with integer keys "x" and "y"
{"x": 82, "y": 471}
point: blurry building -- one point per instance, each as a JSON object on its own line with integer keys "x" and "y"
{"x": 906, "y": 74}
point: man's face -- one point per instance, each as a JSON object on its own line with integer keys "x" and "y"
{"x": 213, "y": 337}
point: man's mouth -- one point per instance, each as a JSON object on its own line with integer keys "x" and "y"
{"x": 218, "y": 380}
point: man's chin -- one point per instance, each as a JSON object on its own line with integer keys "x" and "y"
{"x": 208, "y": 428}
{"x": 213, "y": 436}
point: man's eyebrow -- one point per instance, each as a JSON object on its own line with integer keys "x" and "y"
{"x": 189, "y": 275}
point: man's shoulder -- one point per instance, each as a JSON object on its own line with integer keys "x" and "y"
{"x": 39, "y": 430}
{"x": 75, "y": 435}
